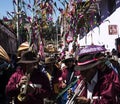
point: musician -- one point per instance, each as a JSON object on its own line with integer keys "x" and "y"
{"x": 102, "y": 84}
{"x": 68, "y": 76}
{"x": 53, "y": 73}
{"x": 36, "y": 84}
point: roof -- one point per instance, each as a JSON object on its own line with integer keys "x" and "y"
{"x": 7, "y": 30}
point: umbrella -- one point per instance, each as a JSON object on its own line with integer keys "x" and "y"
{"x": 3, "y": 54}
{"x": 91, "y": 49}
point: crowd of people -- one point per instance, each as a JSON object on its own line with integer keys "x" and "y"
{"x": 92, "y": 77}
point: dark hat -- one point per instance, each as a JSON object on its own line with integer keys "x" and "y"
{"x": 89, "y": 61}
{"x": 49, "y": 60}
{"x": 28, "y": 57}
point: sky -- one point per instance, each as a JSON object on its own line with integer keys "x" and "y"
{"x": 7, "y": 5}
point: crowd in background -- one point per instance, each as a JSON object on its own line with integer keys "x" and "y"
{"x": 90, "y": 76}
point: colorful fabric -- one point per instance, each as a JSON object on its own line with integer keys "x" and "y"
{"x": 66, "y": 75}
{"x": 107, "y": 89}
{"x": 39, "y": 94}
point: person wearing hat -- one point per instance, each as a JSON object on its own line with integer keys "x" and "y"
{"x": 23, "y": 47}
{"x": 101, "y": 83}
{"x": 28, "y": 85}
{"x": 53, "y": 73}
{"x": 68, "y": 75}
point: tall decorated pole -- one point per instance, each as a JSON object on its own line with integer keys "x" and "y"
{"x": 35, "y": 28}
{"x": 17, "y": 22}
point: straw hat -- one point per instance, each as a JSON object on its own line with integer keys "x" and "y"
{"x": 50, "y": 48}
{"x": 23, "y": 46}
{"x": 68, "y": 56}
{"x": 3, "y": 54}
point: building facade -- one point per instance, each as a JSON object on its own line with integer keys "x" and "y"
{"x": 108, "y": 30}
{"x": 8, "y": 39}
{"x": 106, "y": 33}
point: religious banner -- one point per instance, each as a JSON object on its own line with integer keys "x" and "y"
{"x": 113, "y": 29}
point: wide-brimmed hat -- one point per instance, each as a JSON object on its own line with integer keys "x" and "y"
{"x": 23, "y": 46}
{"x": 28, "y": 57}
{"x": 4, "y": 55}
{"x": 68, "y": 57}
{"x": 91, "y": 49}
{"x": 89, "y": 61}
{"x": 50, "y": 48}
{"x": 49, "y": 60}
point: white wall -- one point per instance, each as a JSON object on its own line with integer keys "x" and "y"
{"x": 100, "y": 35}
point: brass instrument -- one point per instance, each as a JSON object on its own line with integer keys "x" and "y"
{"x": 23, "y": 90}
{"x": 77, "y": 92}
{"x": 12, "y": 101}
{"x": 48, "y": 101}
